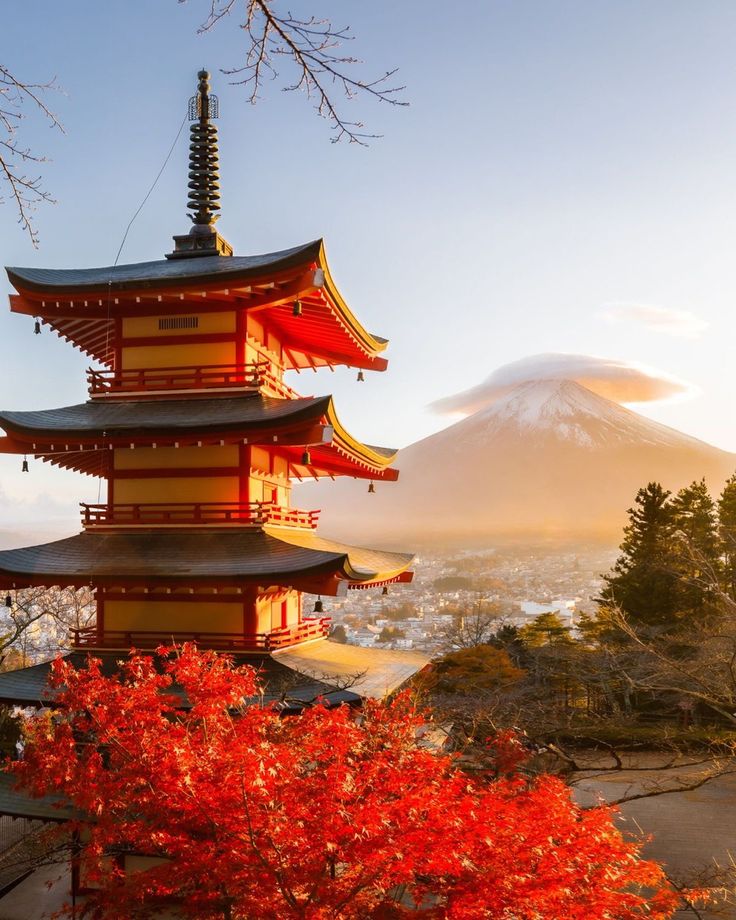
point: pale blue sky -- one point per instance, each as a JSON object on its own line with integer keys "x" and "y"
{"x": 558, "y": 156}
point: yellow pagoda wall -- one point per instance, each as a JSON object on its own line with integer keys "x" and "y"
{"x": 160, "y": 490}
{"x": 145, "y": 345}
{"x": 261, "y": 476}
{"x": 207, "y": 474}
{"x": 277, "y": 608}
{"x": 268, "y": 478}
{"x": 200, "y": 486}
{"x": 246, "y": 613}
{"x": 174, "y": 616}
{"x": 262, "y": 339}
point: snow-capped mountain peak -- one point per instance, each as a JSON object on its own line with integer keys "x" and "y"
{"x": 546, "y": 457}
{"x": 539, "y": 402}
{"x": 568, "y": 410}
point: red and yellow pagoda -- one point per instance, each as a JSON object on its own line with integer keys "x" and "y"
{"x": 199, "y": 438}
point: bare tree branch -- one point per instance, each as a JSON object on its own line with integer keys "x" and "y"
{"x": 39, "y": 622}
{"x": 24, "y": 189}
{"x": 312, "y": 49}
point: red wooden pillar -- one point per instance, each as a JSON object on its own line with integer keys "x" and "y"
{"x": 240, "y": 336}
{"x": 244, "y": 453}
{"x": 250, "y": 612}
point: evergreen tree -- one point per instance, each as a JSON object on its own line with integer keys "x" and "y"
{"x": 643, "y": 583}
{"x": 695, "y": 547}
{"x": 694, "y": 515}
{"x": 727, "y": 533}
{"x": 507, "y": 638}
{"x": 546, "y": 629}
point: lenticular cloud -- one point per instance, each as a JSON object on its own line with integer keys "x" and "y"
{"x": 620, "y": 381}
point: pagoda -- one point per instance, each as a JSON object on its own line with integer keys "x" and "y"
{"x": 198, "y": 436}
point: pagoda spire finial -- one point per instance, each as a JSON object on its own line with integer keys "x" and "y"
{"x": 203, "y": 201}
{"x": 204, "y": 175}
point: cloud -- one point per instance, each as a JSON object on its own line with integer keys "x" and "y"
{"x": 621, "y": 381}
{"x": 681, "y": 323}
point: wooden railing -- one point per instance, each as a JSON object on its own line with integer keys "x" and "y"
{"x": 310, "y": 628}
{"x": 206, "y": 376}
{"x": 188, "y": 514}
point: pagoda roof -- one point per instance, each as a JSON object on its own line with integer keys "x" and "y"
{"x": 83, "y": 305}
{"x": 17, "y": 803}
{"x": 29, "y": 686}
{"x": 163, "y": 272}
{"x": 253, "y": 418}
{"x": 214, "y": 558}
{"x": 127, "y": 416}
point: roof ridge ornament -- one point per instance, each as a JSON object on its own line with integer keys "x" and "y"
{"x": 204, "y": 178}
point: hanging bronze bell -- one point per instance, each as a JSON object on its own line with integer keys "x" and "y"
{"x": 361, "y": 378}
{"x": 37, "y": 327}
{"x": 306, "y": 457}
{"x": 318, "y": 605}
{"x": 24, "y": 466}
{"x": 371, "y": 488}
{"x": 297, "y": 311}
{"x": 8, "y": 601}
{"x": 385, "y": 590}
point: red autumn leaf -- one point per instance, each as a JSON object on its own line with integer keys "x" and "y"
{"x": 321, "y": 816}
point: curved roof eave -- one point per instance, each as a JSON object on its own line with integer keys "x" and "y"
{"x": 361, "y": 563}
{"x": 162, "y": 272}
{"x": 205, "y": 270}
{"x": 380, "y": 457}
{"x": 128, "y": 416}
{"x": 210, "y": 556}
{"x": 372, "y": 343}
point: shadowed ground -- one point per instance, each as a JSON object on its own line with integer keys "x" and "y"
{"x": 690, "y": 830}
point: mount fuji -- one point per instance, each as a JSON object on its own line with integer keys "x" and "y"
{"x": 548, "y": 458}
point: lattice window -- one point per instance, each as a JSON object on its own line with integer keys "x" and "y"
{"x": 179, "y": 322}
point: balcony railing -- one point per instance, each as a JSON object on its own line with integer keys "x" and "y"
{"x": 198, "y": 514}
{"x": 310, "y": 628}
{"x": 176, "y": 379}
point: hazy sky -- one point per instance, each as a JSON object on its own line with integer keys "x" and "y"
{"x": 563, "y": 181}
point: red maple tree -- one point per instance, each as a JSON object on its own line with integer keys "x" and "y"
{"x": 326, "y": 815}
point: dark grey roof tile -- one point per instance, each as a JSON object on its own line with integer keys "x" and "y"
{"x": 163, "y": 271}
{"x": 204, "y": 555}
{"x": 252, "y": 410}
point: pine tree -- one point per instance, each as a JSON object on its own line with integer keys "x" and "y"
{"x": 643, "y": 583}
{"x": 694, "y": 515}
{"x": 546, "y": 629}
{"x": 695, "y": 547}
{"x": 727, "y": 533}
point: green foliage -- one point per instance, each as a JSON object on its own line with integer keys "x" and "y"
{"x": 546, "y": 629}
{"x": 696, "y": 547}
{"x": 643, "y": 583}
{"x": 591, "y": 628}
{"x": 727, "y": 533}
{"x": 694, "y": 515}
{"x": 677, "y": 553}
